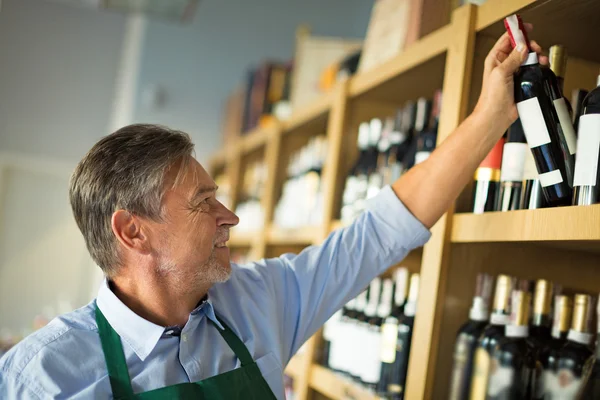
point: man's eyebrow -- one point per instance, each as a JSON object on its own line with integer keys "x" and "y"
{"x": 203, "y": 190}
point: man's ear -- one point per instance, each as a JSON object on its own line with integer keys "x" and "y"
{"x": 128, "y": 231}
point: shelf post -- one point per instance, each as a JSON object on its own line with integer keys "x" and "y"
{"x": 457, "y": 78}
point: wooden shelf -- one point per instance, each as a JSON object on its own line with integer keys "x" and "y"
{"x": 568, "y": 22}
{"x": 335, "y": 225}
{"x": 575, "y": 225}
{"x": 337, "y": 387}
{"x": 256, "y": 138}
{"x": 288, "y": 237}
{"x": 294, "y": 367}
{"x": 218, "y": 160}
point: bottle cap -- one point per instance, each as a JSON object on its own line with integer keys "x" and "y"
{"x": 562, "y": 314}
{"x": 494, "y": 158}
{"x": 502, "y": 296}
{"x": 516, "y": 31}
{"x": 543, "y": 297}
{"x": 558, "y": 60}
{"x": 580, "y": 313}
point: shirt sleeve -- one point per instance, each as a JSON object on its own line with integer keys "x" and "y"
{"x": 313, "y": 285}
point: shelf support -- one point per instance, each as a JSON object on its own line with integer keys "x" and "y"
{"x": 457, "y": 78}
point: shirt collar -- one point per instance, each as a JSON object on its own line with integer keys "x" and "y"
{"x": 140, "y": 334}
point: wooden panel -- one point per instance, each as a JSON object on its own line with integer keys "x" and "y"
{"x": 569, "y": 22}
{"x": 242, "y": 239}
{"x": 256, "y": 138}
{"x": 550, "y": 224}
{"x": 419, "y": 53}
{"x": 337, "y": 387}
{"x": 217, "y": 161}
{"x": 576, "y": 271}
{"x": 457, "y": 77}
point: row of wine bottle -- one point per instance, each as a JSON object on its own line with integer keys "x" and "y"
{"x": 381, "y": 320}
{"x": 515, "y": 354}
{"x": 561, "y": 165}
{"x": 249, "y": 208}
{"x": 387, "y": 149}
{"x": 302, "y": 191}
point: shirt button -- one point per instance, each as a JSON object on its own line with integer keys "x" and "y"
{"x": 184, "y": 338}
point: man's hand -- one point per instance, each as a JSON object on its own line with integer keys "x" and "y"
{"x": 430, "y": 188}
{"x": 496, "y": 102}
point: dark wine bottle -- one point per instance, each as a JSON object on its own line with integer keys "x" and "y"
{"x": 356, "y": 182}
{"x": 532, "y": 197}
{"x": 575, "y": 359}
{"x": 586, "y": 170}
{"x": 409, "y": 119}
{"x": 384, "y": 311}
{"x": 487, "y": 180}
{"x": 540, "y": 330}
{"x": 427, "y": 138}
{"x": 371, "y": 364}
{"x": 513, "y": 164}
{"x": 513, "y": 375}
{"x": 541, "y": 124}
{"x": 389, "y": 334}
{"x": 577, "y": 98}
{"x": 400, "y": 141}
{"x": 490, "y": 337}
{"x": 467, "y": 338}
{"x": 591, "y": 390}
{"x": 548, "y": 357}
{"x": 554, "y": 77}
{"x": 396, "y": 387}
{"x": 424, "y": 145}
{"x": 354, "y": 330}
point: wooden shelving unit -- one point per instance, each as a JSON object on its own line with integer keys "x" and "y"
{"x": 561, "y": 244}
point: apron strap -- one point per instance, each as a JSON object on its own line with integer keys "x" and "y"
{"x": 115, "y": 358}
{"x": 234, "y": 342}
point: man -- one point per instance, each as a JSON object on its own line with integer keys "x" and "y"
{"x": 174, "y": 319}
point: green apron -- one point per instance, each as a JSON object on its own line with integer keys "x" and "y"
{"x": 245, "y": 382}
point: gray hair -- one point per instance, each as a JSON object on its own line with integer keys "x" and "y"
{"x": 125, "y": 170}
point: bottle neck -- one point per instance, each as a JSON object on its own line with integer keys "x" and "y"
{"x": 532, "y": 59}
{"x": 498, "y": 318}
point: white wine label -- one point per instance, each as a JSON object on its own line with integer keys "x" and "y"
{"x": 533, "y": 122}
{"x": 566, "y": 385}
{"x": 530, "y": 171}
{"x": 421, "y": 156}
{"x": 551, "y": 178}
{"x": 389, "y": 336}
{"x": 513, "y": 162}
{"x": 499, "y": 319}
{"x": 588, "y": 148}
{"x": 501, "y": 379}
{"x": 481, "y": 370}
{"x": 566, "y": 124}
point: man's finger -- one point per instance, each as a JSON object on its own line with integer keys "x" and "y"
{"x": 528, "y": 27}
{"x": 502, "y": 45}
{"x": 514, "y": 61}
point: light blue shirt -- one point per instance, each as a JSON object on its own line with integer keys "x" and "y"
{"x": 273, "y": 305}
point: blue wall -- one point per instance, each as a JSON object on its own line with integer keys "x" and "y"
{"x": 199, "y": 64}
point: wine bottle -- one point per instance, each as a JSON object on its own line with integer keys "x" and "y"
{"x": 408, "y": 127}
{"x": 577, "y": 98}
{"x": 532, "y": 197}
{"x": 428, "y": 136}
{"x": 548, "y": 357}
{"x": 404, "y": 338}
{"x": 575, "y": 359}
{"x": 467, "y": 337}
{"x": 512, "y": 172}
{"x": 356, "y": 177}
{"x": 541, "y": 124}
{"x": 492, "y": 333}
{"x": 371, "y": 365}
{"x": 591, "y": 390}
{"x": 399, "y": 144}
{"x": 424, "y": 145}
{"x": 375, "y": 181}
{"x": 554, "y": 77}
{"x": 514, "y": 372}
{"x": 487, "y": 180}
{"x": 401, "y": 277}
{"x": 540, "y": 330}
{"x": 384, "y": 311}
{"x": 586, "y": 170}
{"x": 354, "y": 334}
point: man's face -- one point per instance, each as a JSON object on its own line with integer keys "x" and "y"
{"x": 190, "y": 243}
